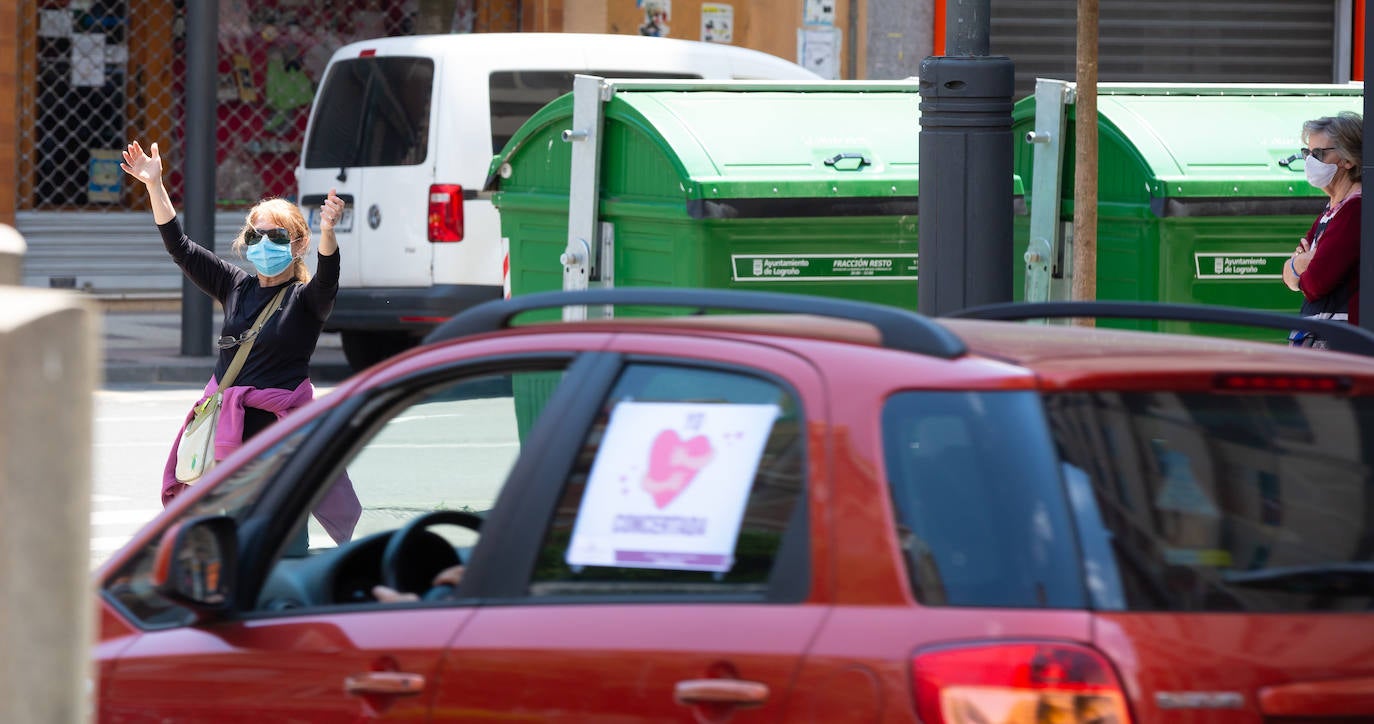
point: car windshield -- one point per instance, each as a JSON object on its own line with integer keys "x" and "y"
{"x": 1210, "y": 502}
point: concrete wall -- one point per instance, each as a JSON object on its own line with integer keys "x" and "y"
{"x": 48, "y": 371}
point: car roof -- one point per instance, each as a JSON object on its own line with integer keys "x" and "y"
{"x": 1057, "y": 353}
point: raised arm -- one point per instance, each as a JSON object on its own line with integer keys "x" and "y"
{"x": 330, "y": 211}
{"x": 148, "y": 169}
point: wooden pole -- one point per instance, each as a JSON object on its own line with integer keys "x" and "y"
{"x": 1085, "y": 158}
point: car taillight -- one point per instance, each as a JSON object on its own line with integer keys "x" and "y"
{"x": 1016, "y": 683}
{"x": 445, "y": 212}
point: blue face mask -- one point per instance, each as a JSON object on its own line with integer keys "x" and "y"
{"x": 269, "y": 259}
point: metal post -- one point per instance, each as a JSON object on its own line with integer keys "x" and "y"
{"x": 1367, "y": 220}
{"x": 965, "y": 204}
{"x": 968, "y": 27}
{"x": 202, "y": 41}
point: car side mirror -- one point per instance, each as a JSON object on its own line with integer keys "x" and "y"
{"x": 196, "y": 563}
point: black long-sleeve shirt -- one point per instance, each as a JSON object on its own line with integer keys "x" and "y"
{"x": 280, "y": 357}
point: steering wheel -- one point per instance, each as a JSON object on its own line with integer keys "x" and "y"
{"x": 413, "y": 545}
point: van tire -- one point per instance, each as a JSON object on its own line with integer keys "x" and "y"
{"x": 364, "y": 349}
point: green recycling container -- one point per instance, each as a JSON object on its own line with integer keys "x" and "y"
{"x": 808, "y": 188}
{"x": 1194, "y": 205}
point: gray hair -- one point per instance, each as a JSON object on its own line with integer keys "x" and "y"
{"x": 1346, "y": 130}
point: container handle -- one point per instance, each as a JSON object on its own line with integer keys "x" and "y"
{"x": 859, "y": 161}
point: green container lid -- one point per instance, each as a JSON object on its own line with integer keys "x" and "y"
{"x": 802, "y": 141}
{"x": 1220, "y": 140}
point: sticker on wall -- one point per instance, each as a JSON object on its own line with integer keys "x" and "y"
{"x": 818, "y": 50}
{"x": 657, "y": 15}
{"x": 717, "y": 23}
{"x": 818, "y": 12}
{"x": 103, "y": 176}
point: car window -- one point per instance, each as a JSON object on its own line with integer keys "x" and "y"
{"x": 691, "y": 481}
{"x": 517, "y": 94}
{"x": 449, "y": 447}
{"x": 981, "y": 513}
{"x": 372, "y": 111}
{"x": 130, "y": 586}
{"x": 1236, "y": 502}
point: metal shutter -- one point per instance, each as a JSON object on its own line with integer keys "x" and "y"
{"x": 1268, "y": 41}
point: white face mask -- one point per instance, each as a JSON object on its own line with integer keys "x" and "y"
{"x": 1319, "y": 174}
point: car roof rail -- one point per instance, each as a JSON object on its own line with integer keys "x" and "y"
{"x": 897, "y": 328}
{"x": 1339, "y": 335}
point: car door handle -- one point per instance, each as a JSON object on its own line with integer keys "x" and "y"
{"x": 1341, "y": 697}
{"x": 733, "y": 692}
{"x": 385, "y": 683}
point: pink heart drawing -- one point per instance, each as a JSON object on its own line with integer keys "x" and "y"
{"x": 673, "y": 464}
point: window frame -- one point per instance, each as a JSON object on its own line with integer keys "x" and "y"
{"x": 790, "y": 581}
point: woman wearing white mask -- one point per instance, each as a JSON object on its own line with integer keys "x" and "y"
{"x": 274, "y": 375}
{"x": 1325, "y": 267}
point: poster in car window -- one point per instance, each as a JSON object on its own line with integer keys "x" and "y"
{"x": 669, "y": 485}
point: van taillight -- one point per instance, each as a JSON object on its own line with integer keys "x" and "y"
{"x": 1016, "y": 683}
{"x": 445, "y": 212}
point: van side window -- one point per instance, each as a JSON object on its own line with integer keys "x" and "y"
{"x": 517, "y": 94}
{"x": 372, "y": 112}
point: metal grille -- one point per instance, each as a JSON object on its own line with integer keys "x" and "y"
{"x": 1268, "y": 41}
{"x": 95, "y": 74}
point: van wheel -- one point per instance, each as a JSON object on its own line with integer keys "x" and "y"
{"x": 364, "y": 349}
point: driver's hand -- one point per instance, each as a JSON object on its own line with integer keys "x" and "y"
{"x": 391, "y": 595}
{"x": 448, "y": 577}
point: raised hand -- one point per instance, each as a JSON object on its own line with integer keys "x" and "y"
{"x": 330, "y": 212}
{"x": 141, "y": 166}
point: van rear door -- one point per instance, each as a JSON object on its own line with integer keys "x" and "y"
{"x": 1228, "y": 536}
{"x": 369, "y": 138}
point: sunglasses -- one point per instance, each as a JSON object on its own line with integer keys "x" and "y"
{"x": 227, "y": 342}
{"x": 277, "y": 236}
{"x": 1320, "y": 153}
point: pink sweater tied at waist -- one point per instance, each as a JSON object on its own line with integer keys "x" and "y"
{"x": 337, "y": 512}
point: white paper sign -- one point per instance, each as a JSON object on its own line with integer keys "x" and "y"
{"x": 54, "y": 24}
{"x": 717, "y": 23}
{"x": 819, "y": 12}
{"x": 669, "y": 485}
{"x": 88, "y": 59}
{"x": 818, "y": 50}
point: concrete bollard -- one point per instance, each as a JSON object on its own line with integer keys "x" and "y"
{"x": 12, "y": 248}
{"x": 49, "y": 354}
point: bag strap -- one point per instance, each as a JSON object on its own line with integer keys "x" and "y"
{"x": 239, "y": 357}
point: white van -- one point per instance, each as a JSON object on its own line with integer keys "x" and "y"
{"x": 405, "y": 127}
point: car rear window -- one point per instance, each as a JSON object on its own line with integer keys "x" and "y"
{"x": 1211, "y": 502}
{"x": 518, "y": 94}
{"x": 372, "y": 111}
{"x": 981, "y": 515}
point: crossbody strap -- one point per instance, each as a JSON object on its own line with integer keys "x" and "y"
{"x": 242, "y": 354}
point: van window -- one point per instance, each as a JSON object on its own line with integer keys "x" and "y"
{"x": 372, "y": 112}
{"x": 517, "y": 94}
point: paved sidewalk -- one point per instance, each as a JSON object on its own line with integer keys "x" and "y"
{"x": 143, "y": 346}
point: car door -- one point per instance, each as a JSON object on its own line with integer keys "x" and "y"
{"x": 667, "y": 571}
{"x": 312, "y": 643}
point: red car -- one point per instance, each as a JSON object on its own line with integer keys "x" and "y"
{"x": 845, "y": 513}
